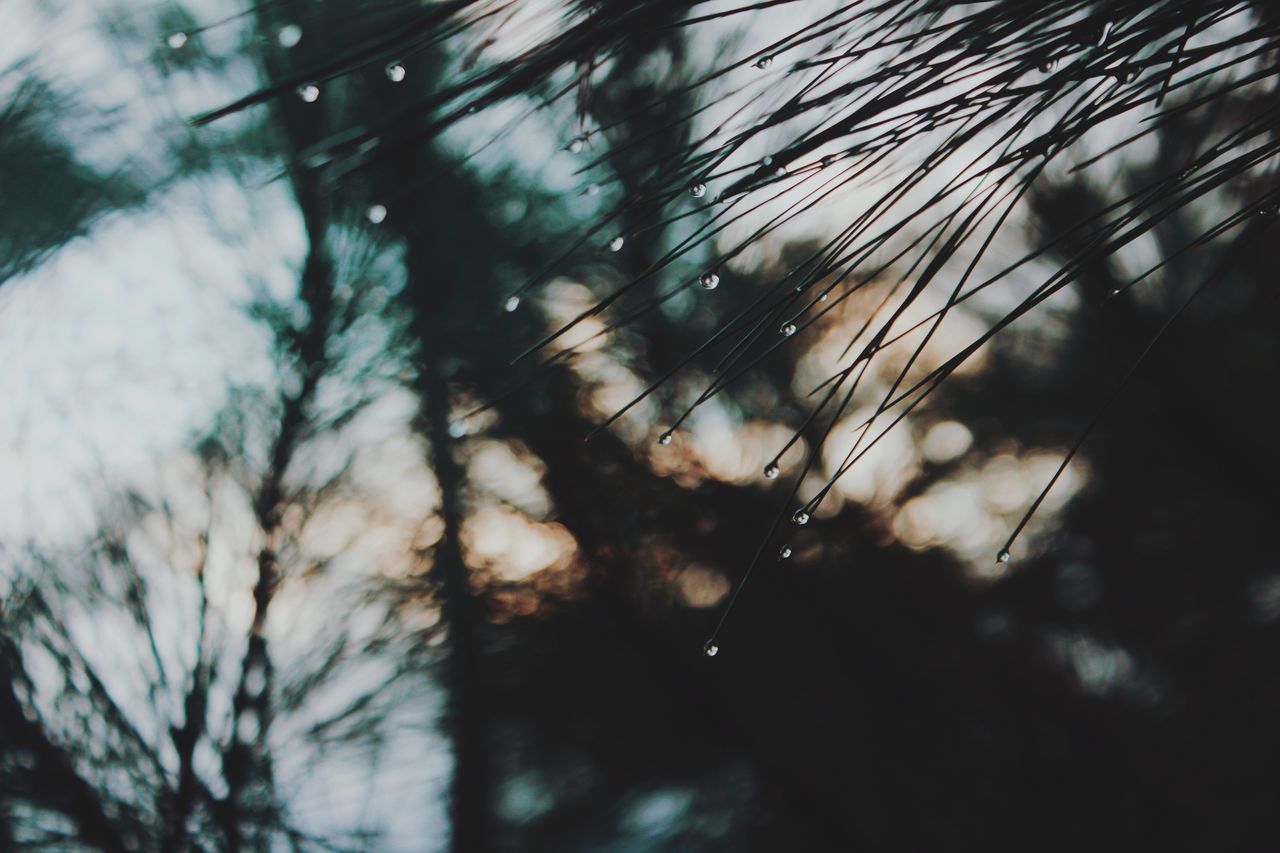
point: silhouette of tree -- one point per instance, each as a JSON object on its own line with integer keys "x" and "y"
{"x": 946, "y": 243}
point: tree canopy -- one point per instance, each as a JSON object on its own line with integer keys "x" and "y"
{"x": 493, "y": 425}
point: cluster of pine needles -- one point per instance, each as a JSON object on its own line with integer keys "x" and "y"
{"x": 941, "y": 115}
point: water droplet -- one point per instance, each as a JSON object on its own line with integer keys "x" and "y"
{"x": 395, "y": 72}
{"x": 788, "y": 330}
{"x": 784, "y": 553}
{"x": 827, "y": 160}
{"x": 616, "y": 243}
{"x": 1048, "y": 65}
{"x": 698, "y": 190}
{"x": 289, "y": 35}
{"x": 709, "y": 280}
{"x": 1115, "y": 291}
{"x": 664, "y": 439}
{"x": 309, "y": 92}
{"x": 1035, "y": 148}
{"x": 512, "y": 303}
{"x": 376, "y": 213}
{"x": 771, "y": 471}
{"x": 823, "y": 297}
{"x": 800, "y": 517}
{"x": 592, "y": 189}
{"x": 781, "y": 171}
{"x": 767, "y": 160}
{"x": 764, "y": 62}
{"x": 710, "y": 649}
{"x": 1003, "y": 556}
{"x": 459, "y": 428}
{"x": 576, "y": 145}
{"x": 176, "y": 40}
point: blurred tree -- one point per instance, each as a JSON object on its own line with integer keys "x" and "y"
{"x": 883, "y": 683}
{"x": 36, "y": 162}
{"x": 141, "y": 698}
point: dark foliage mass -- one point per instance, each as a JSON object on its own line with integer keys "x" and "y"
{"x": 924, "y": 354}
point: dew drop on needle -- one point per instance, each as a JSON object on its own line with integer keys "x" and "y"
{"x": 289, "y": 35}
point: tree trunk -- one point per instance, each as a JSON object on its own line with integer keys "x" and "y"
{"x": 462, "y": 611}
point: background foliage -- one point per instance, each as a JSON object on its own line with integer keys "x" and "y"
{"x": 307, "y": 309}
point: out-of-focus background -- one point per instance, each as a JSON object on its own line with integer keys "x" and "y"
{"x": 273, "y": 578}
